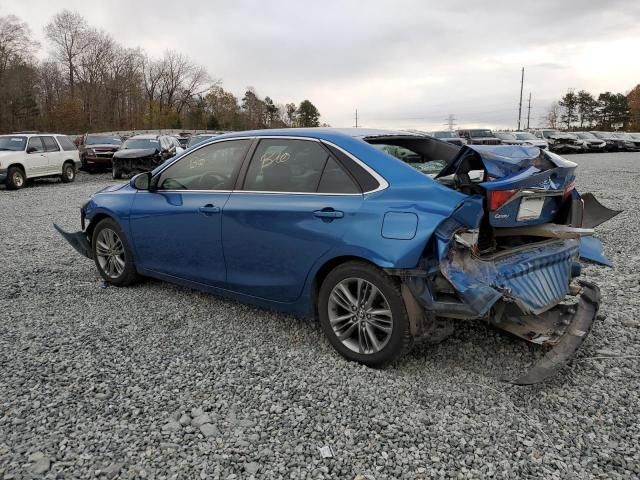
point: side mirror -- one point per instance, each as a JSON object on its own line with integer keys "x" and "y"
{"x": 31, "y": 149}
{"x": 142, "y": 181}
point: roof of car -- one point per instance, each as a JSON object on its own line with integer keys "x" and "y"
{"x": 326, "y": 133}
{"x": 32, "y": 134}
{"x": 145, "y": 136}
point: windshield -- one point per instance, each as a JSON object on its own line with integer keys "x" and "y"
{"x": 200, "y": 138}
{"x": 547, "y": 133}
{"x": 444, "y": 135}
{"x": 480, "y": 133}
{"x": 624, "y": 136}
{"x": 12, "y": 143}
{"x": 505, "y": 136}
{"x": 141, "y": 143}
{"x": 585, "y": 135}
{"x": 525, "y": 136}
{"x": 102, "y": 140}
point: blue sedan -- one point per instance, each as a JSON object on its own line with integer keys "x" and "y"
{"x": 386, "y": 237}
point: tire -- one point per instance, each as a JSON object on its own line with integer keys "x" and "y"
{"x": 16, "y": 179}
{"x": 68, "y": 172}
{"x": 116, "y": 174}
{"x": 112, "y": 254}
{"x": 369, "y": 341}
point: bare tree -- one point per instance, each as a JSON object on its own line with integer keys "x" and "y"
{"x": 553, "y": 115}
{"x": 68, "y": 32}
{"x": 16, "y": 45}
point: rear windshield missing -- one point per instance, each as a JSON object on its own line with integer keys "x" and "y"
{"x": 425, "y": 154}
{"x": 12, "y": 143}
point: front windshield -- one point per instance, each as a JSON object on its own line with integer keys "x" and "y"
{"x": 525, "y": 136}
{"x": 443, "y": 135}
{"x": 102, "y": 140}
{"x": 547, "y": 133}
{"x": 200, "y": 138}
{"x": 585, "y": 135}
{"x": 12, "y": 143}
{"x": 505, "y": 136}
{"x": 481, "y": 133}
{"x": 141, "y": 143}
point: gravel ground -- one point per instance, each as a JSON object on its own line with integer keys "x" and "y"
{"x": 157, "y": 381}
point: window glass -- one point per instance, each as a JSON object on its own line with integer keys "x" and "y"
{"x": 336, "y": 180}
{"x": 35, "y": 144}
{"x": 209, "y": 168}
{"x": 102, "y": 140}
{"x": 12, "y": 143}
{"x": 141, "y": 143}
{"x": 66, "y": 144}
{"x": 286, "y": 166}
{"x": 50, "y": 144}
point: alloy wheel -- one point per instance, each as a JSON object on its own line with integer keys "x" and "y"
{"x": 110, "y": 253}
{"x": 360, "y": 316}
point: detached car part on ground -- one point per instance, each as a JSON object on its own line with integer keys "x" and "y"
{"x": 326, "y": 223}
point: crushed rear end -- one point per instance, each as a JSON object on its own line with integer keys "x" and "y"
{"x": 511, "y": 252}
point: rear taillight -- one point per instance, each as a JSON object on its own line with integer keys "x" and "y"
{"x": 567, "y": 190}
{"x": 497, "y": 198}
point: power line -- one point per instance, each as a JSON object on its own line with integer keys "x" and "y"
{"x": 520, "y": 104}
{"x": 529, "y": 111}
{"x": 451, "y": 121}
{"x": 356, "y": 118}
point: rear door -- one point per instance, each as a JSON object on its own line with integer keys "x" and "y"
{"x": 36, "y": 162}
{"x": 55, "y": 155}
{"x": 176, "y": 229}
{"x": 295, "y": 204}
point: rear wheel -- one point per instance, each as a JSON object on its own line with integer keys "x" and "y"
{"x": 68, "y": 173}
{"x": 363, "y": 315}
{"x": 112, "y": 254}
{"x": 16, "y": 179}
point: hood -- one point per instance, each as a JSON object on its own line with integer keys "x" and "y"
{"x": 135, "y": 153}
{"x": 111, "y": 188}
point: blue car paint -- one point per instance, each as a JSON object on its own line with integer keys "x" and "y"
{"x": 591, "y": 249}
{"x": 272, "y": 261}
{"x": 399, "y": 225}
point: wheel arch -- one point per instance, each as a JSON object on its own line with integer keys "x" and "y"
{"x": 18, "y": 165}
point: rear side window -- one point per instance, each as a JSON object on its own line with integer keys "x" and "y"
{"x": 213, "y": 167}
{"x": 286, "y": 166}
{"x": 66, "y": 144}
{"x": 35, "y": 145}
{"x": 50, "y": 145}
{"x": 335, "y": 180}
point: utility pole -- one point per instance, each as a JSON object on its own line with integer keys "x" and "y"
{"x": 529, "y": 111}
{"x": 451, "y": 121}
{"x": 520, "y": 105}
{"x": 356, "y": 118}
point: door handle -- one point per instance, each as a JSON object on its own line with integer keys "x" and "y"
{"x": 209, "y": 209}
{"x": 328, "y": 214}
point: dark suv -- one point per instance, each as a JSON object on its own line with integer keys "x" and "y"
{"x": 479, "y": 136}
{"x": 96, "y": 150}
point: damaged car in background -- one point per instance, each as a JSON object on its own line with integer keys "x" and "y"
{"x": 142, "y": 153}
{"x": 560, "y": 142}
{"x": 387, "y": 237}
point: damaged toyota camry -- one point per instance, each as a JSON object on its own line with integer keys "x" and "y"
{"x": 386, "y": 237}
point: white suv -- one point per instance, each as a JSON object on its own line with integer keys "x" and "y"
{"x": 24, "y": 156}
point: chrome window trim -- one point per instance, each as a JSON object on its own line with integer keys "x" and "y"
{"x": 382, "y": 182}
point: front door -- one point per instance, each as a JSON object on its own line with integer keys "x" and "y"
{"x": 295, "y": 205}
{"x": 55, "y": 156}
{"x": 36, "y": 162}
{"x": 176, "y": 229}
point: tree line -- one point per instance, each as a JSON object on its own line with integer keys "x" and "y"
{"x": 607, "y": 111}
{"x": 89, "y": 82}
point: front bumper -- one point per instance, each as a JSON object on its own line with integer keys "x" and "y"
{"x": 3, "y": 174}
{"x": 77, "y": 240}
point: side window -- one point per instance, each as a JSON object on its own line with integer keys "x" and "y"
{"x": 212, "y": 167}
{"x": 336, "y": 180}
{"x": 66, "y": 144}
{"x": 35, "y": 145}
{"x": 50, "y": 145}
{"x": 286, "y": 166}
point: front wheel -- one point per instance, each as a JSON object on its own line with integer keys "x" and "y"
{"x": 16, "y": 179}
{"x": 112, "y": 254}
{"x": 363, "y": 315}
{"x": 68, "y": 173}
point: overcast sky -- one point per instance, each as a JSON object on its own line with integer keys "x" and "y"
{"x": 401, "y": 63}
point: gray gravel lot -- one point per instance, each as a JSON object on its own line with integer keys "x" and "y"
{"x": 157, "y": 381}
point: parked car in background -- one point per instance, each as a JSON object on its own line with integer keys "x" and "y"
{"x": 529, "y": 138}
{"x": 96, "y": 150}
{"x": 591, "y": 142}
{"x": 614, "y": 143}
{"x": 631, "y": 144}
{"x": 142, "y": 153}
{"x": 508, "y": 138}
{"x": 560, "y": 142}
{"x": 449, "y": 137}
{"x": 201, "y": 137}
{"x": 329, "y": 223}
{"x": 27, "y": 156}
{"x": 479, "y": 136}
